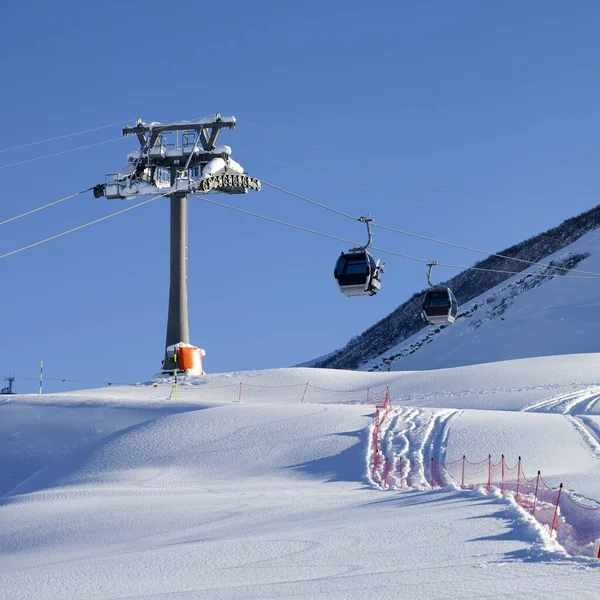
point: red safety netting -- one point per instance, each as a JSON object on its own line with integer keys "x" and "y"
{"x": 291, "y": 393}
{"x": 301, "y": 392}
{"x": 382, "y": 466}
{"x": 318, "y": 395}
{"x": 380, "y": 397}
{"x": 219, "y": 393}
{"x": 576, "y": 524}
{"x": 465, "y": 473}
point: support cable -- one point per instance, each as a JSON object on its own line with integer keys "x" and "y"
{"x": 422, "y": 260}
{"x": 357, "y": 160}
{"x": 62, "y": 137}
{"x": 427, "y": 238}
{"x": 334, "y": 179}
{"x": 22, "y": 162}
{"x": 333, "y": 210}
{"x": 58, "y": 235}
{"x": 521, "y": 260}
{"x": 30, "y": 212}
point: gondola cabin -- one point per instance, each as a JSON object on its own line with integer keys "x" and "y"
{"x": 439, "y": 306}
{"x": 357, "y": 274}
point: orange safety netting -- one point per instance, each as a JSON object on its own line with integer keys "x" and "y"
{"x": 574, "y": 523}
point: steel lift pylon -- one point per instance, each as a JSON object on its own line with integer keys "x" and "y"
{"x": 175, "y": 160}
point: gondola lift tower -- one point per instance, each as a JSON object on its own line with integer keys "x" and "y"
{"x": 175, "y": 160}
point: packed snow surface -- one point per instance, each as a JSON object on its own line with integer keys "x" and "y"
{"x": 257, "y": 485}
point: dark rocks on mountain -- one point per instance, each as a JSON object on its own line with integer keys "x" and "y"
{"x": 406, "y": 320}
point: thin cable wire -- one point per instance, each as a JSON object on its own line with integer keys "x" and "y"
{"x": 335, "y": 179}
{"x": 333, "y": 210}
{"x": 63, "y": 380}
{"x": 422, "y": 260}
{"x": 22, "y": 162}
{"x": 521, "y": 260}
{"x": 62, "y": 137}
{"x": 424, "y": 237}
{"x": 357, "y": 160}
{"x": 54, "y": 237}
{"x": 45, "y": 206}
{"x": 246, "y": 212}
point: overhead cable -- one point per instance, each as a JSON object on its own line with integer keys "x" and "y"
{"x": 333, "y": 210}
{"x": 62, "y": 137}
{"x": 357, "y": 160}
{"x": 335, "y": 179}
{"x": 422, "y": 260}
{"x": 58, "y": 235}
{"x": 30, "y": 212}
{"x": 424, "y": 237}
{"x": 521, "y": 260}
{"x": 22, "y": 162}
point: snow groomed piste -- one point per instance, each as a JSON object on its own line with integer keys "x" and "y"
{"x": 270, "y": 492}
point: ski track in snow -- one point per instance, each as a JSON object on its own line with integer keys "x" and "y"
{"x": 411, "y": 439}
{"x": 572, "y": 405}
{"x": 588, "y": 434}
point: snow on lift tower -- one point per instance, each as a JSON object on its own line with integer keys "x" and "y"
{"x": 174, "y": 160}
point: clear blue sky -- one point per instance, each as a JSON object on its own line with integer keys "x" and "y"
{"x": 497, "y": 103}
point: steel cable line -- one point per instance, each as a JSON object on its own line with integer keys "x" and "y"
{"x": 30, "y": 212}
{"x": 422, "y": 260}
{"x": 246, "y": 212}
{"x": 357, "y": 160}
{"x": 62, "y": 380}
{"x": 333, "y": 210}
{"x": 335, "y": 179}
{"x": 22, "y": 162}
{"x": 521, "y": 260}
{"x": 424, "y": 237}
{"x": 58, "y": 235}
{"x": 62, "y": 137}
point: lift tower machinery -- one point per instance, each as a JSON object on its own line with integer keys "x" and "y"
{"x": 175, "y": 160}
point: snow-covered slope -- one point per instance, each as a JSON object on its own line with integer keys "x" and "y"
{"x": 525, "y": 316}
{"x": 123, "y": 492}
{"x": 540, "y": 322}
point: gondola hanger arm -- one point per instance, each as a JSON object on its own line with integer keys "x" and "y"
{"x": 367, "y": 220}
{"x": 430, "y": 264}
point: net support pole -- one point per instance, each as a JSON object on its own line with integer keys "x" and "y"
{"x": 386, "y": 473}
{"x": 304, "y": 393}
{"x": 375, "y": 449}
{"x": 462, "y": 479}
{"x": 400, "y": 471}
{"x": 518, "y": 479}
{"x": 555, "y": 519}
{"x": 537, "y": 485}
{"x": 489, "y": 481}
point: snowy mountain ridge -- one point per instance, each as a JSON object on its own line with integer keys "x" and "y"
{"x": 402, "y": 334}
